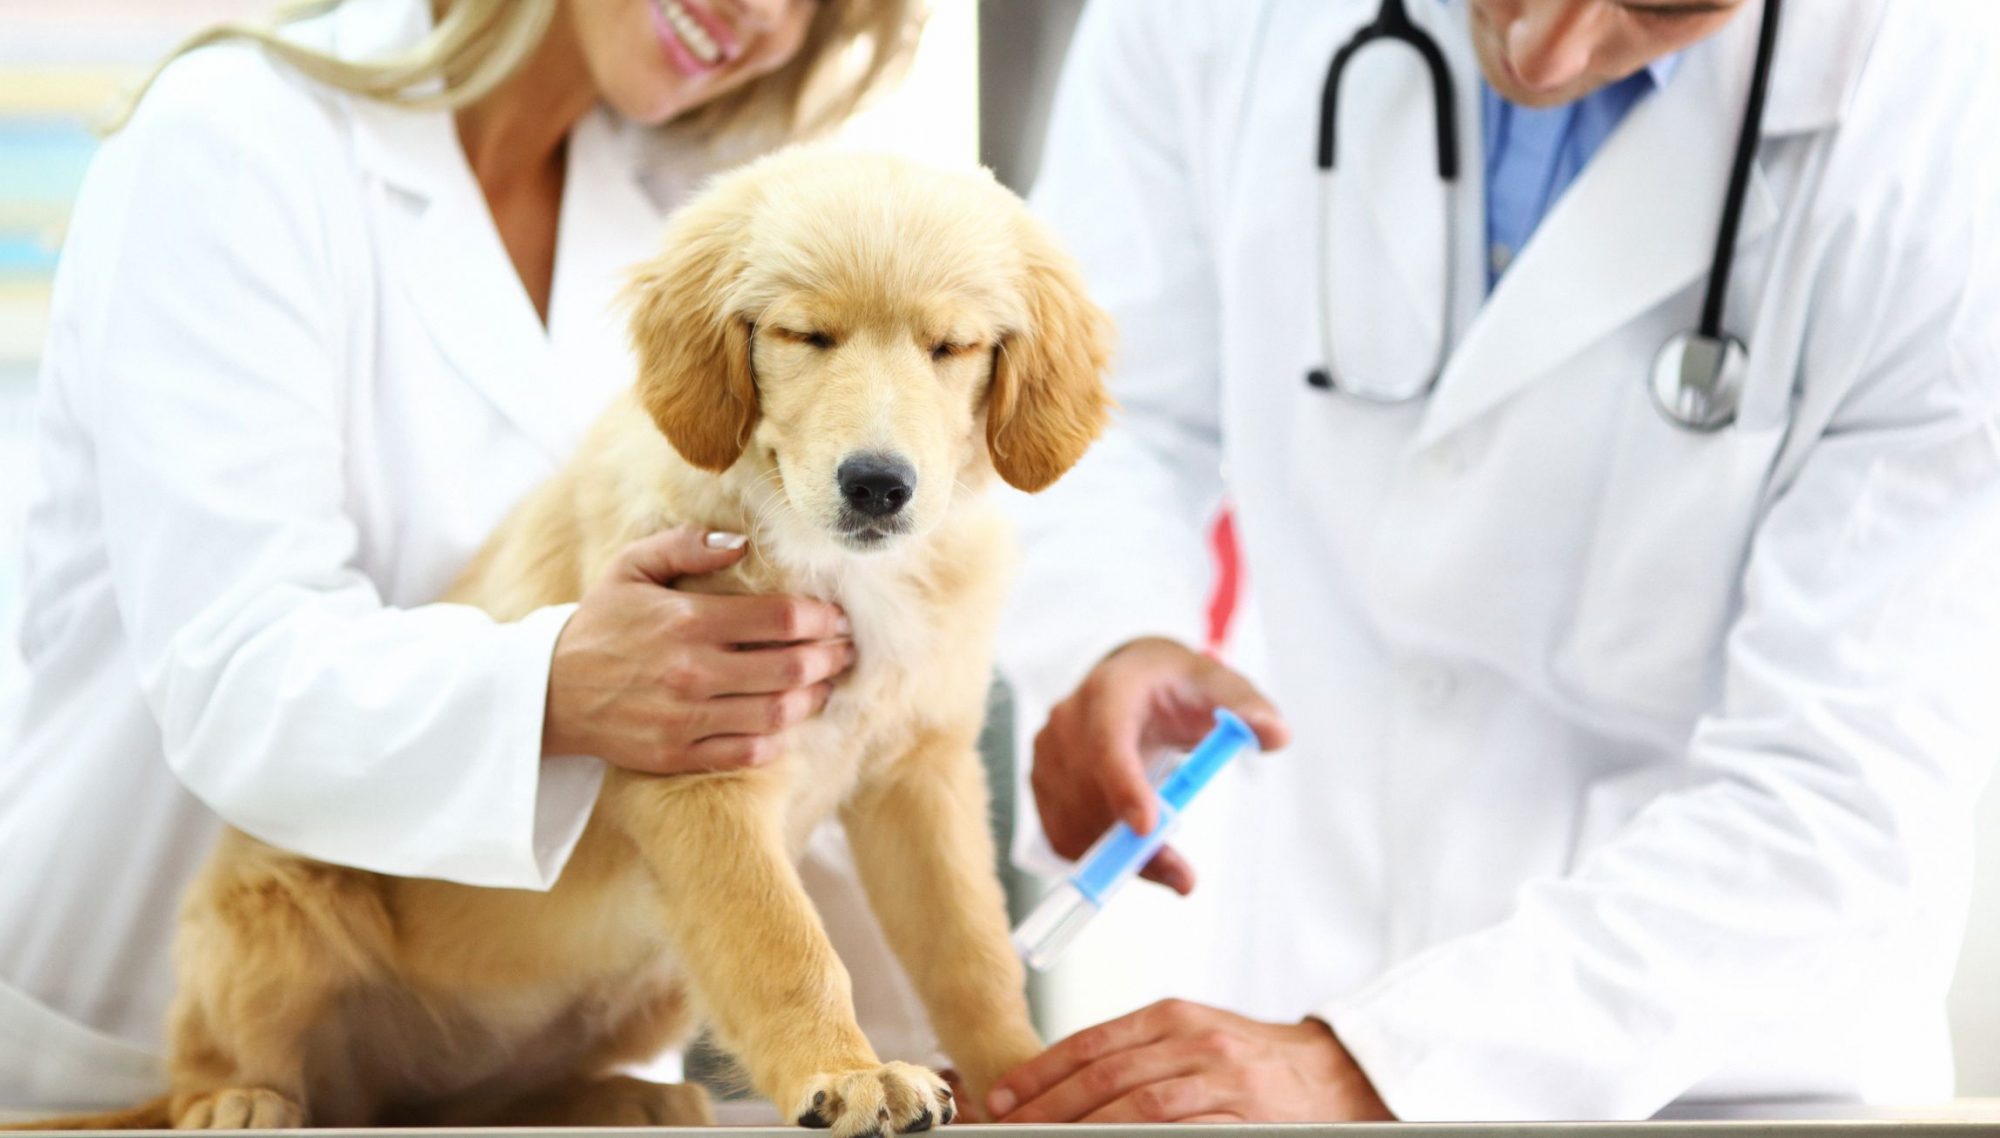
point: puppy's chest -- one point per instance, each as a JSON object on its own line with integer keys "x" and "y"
{"x": 906, "y": 675}
{"x": 909, "y": 650}
{"x": 921, "y": 661}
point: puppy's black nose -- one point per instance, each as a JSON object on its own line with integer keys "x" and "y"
{"x": 876, "y": 484}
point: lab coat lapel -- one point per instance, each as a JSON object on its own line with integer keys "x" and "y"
{"x": 453, "y": 270}
{"x": 1638, "y": 226}
{"x": 611, "y": 220}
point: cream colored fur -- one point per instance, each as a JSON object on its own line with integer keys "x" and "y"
{"x": 957, "y": 336}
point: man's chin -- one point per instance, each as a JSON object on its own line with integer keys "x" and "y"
{"x": 1521, "y": 95}
{"x": 1508, "y": 86}
{"x": 1540, "y": 100}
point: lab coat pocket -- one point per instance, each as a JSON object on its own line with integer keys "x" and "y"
{"x": 1664, "y": 568}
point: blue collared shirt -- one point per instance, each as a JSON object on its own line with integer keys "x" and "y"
{"x": 1532, "y": 156}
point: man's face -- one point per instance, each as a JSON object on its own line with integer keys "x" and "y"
{"x": 1544, "y": 53}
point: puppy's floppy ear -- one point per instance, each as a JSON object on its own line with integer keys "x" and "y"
{"x": 1047, "y": 401}
{"x": 694, "y": 354}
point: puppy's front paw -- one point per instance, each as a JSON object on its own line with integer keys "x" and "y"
{"x": 895, "y": 1098}
{"x": 237, "y": 1108}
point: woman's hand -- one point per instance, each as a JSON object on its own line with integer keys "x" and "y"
{"x": 1182, "y": 1062}
{"x": 1090, "y": 760}
{"x": 665, "y": 682}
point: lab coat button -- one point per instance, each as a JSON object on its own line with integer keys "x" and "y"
{"x": 1432, "y": 686}
{"x": 1447, "y": 460}
{"x": 1499, "y": 257}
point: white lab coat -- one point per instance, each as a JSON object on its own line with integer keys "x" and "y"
{"x": 292, "y": 381}
{"x": 1630, "y": 764}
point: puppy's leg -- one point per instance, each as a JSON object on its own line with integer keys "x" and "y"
{"x": 267, "y": 942}
{"x": 920, "y": 839}
{"x": 756, "y": 956}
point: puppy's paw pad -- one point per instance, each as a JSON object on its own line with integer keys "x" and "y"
{"x": 895, "y": 1098}
{"x": 238, "y": 1108}
{"x": 817, "y": 1114}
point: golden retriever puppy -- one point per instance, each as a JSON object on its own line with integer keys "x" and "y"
{"x": 838, "y": 353}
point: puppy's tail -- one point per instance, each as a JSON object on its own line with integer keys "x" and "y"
{"x": 149, "y": 1115}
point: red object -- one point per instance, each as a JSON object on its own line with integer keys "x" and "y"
{"x": 1228, "y": 578}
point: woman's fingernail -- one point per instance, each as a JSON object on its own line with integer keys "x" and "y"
{"x": 1000, "y": 1102}
{"x": 722, "y": 539}
{"x": 843, "y": 625}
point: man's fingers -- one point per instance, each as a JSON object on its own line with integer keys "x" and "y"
{"x": 755, "y": 671}
{"x": 683, "y": 551}
{"x": 1272, "y": 730}
{"x": 1032, "y": 1079}
{"x": 1169, "y": 1100}
{"x": 1227, "y": 687}
{"x": 1113, "y": 730}
{"x": 1122, "y": 779}
{"x": 1107, "y": 1080}
{"x": 1170, "y": 869}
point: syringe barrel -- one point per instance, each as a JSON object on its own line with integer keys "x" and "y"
{"x": 1120, "y": 854}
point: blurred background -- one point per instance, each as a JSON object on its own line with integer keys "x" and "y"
{"x": 980, "y": 90}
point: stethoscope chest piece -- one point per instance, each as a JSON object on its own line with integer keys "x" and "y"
{"x": 1698, "y": 379}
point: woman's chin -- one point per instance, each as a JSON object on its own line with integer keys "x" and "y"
{"x": 658, "y": 104}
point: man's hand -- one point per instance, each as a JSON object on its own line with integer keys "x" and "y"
{"x": 1182, "y": 1062}
{"x": 1090, "y": 760}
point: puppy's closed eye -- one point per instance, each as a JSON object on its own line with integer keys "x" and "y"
{"x": 821, "y": 341}
{"x": 945, "y": 349}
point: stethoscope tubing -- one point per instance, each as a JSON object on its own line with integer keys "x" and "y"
{"x": 1739, "y": 174}
{"x": 1392, "y": 23}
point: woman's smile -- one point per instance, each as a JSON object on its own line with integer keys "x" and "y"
{"x": 695, "y": 41}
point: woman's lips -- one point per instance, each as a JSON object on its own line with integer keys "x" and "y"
{"x": 675, "y": 45}
{"x": 718, "y": 29}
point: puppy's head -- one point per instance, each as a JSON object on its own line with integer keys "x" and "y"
{"x": 864, "y": 340}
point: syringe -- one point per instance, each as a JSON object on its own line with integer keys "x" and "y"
{"x": 1121, "y": 853}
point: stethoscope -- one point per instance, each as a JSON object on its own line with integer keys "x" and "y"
{"x": 1698, "y": 375}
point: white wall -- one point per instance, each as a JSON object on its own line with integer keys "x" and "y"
{"x": 934, "y": 115}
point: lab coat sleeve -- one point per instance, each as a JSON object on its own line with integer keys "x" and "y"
{"x": 1823, "y": 828}
{"x": 1116, "y": 549}
{"x": 291, "y": 699}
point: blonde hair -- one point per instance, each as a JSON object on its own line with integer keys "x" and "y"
{"x": 851, "y": 48}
